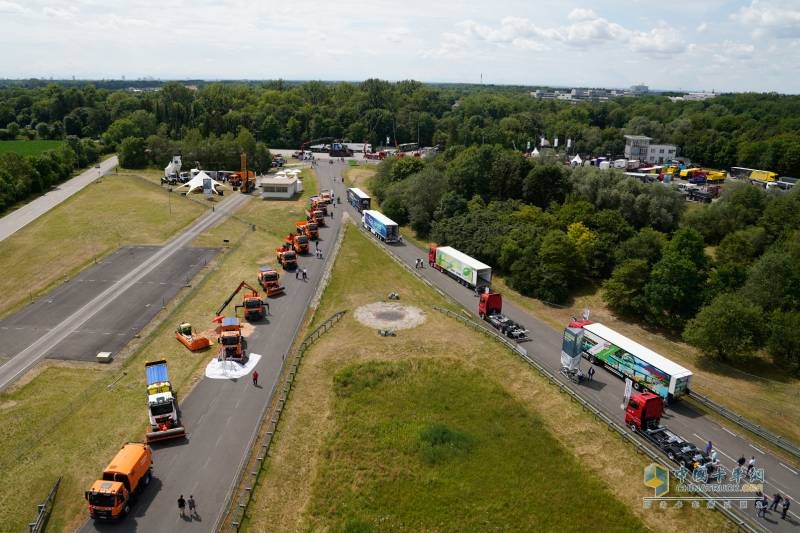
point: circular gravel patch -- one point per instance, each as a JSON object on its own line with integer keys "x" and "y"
{"x": 389, "y": 315}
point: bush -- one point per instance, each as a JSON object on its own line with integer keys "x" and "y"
{"x": 728, "y": 328}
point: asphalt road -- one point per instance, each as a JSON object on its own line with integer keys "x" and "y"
{"x": 222, "y": 416}
{"x": 26, "y": 214}
{"x": 111, "y": 298}
{"x": 607, "y": 390}
{"x": 111, "y": 330}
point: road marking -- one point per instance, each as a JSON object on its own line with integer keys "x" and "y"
{"x": 756, "y": 449}
{"x": 728, "y": 431}
{"x": 698, "y": 436}
{"x": 789, "y": 469}
{"x": 725, "y": 454}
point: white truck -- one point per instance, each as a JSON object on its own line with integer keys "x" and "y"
{"x": 162, "y": 405}
{"x": 465, "y": 269}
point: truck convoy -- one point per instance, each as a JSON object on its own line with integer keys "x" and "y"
{"x": 358, "y": 199}
{"x": 380, "y": 225}
{"x": 268, "y": 279}
{"x": 490, "y": 306}
{"x": 162, "y": 405}
{"x": 628, "y": 359}
{"x": 463, "y": 268}
{"x": 643, "y": 415}
{"x": 123, "y": 479}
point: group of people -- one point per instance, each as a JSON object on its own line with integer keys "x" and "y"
{"x": 763, "y": 507}
{"x": 301, "y": 273}
{"x": 419, "y": 264}
{"x": 182, "y": 504}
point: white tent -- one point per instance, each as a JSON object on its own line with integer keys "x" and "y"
{"x": 197, "y": 183}
{"x": 576, "y": 161}
{"x": 535, "y": 153}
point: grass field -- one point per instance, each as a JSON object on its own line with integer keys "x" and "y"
{"x": 114, "y": 211}
{"x": 28, "y": 147}
{"x": 66, "y": 421}
{"x": 438, "y": 429}
{"x": 764, "y": 394}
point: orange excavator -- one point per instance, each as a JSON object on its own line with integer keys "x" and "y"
{"x": 309, "y": 229}
{"x": 298, "y": 242}
{"x": 268, "y": 279}
{"x": 254, "y": 307}
{"x": 286, "y": 257}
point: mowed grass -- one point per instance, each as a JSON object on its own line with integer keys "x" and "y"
{"x": 114, "y": 211}
{"x": 67, "y": 421}
{"x": 433, "y": 445}
{"x": 439, "y": 428}
{"x": 28, "y": 147}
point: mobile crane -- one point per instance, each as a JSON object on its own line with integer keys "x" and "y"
{"x": 254, "y": 307}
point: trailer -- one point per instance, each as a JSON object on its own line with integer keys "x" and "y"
{"x": 465, "y": 269}
{"x": 358, "y": 199}
{"x": 162, "y": 404}
{"x": 571, "y": 354}
{"x": 647, "y": 370}
{"x": 490, "y": 307}
{"x": 380, "y": 225}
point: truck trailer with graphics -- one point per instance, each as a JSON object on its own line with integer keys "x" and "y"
{"x": 647, "y": 370}
{"x": 380, "y": 225}
{"x": 465, "y": 269}
{"x": 358, "y": 199}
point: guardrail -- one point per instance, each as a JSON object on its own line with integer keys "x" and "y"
{"x": 612, "y": 425}
{"x": 258, "y": 451}
{"x": 44, "y": 510}
{"x": 768, "y": 436}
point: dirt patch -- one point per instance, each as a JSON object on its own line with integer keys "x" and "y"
{"x": 7, "y": 405}
{"x": 390, "y": 315}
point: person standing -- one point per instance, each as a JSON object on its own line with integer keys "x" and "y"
{"x": 751, "y": 464}
{"x": 192, "y": 506}
{"x": 785, "y": 508}
{"x": 590, "y": 373}
{"x": 761, "y": 505}
{"x": 776, "y": 500}
{"x": 709, "y": 447}
{"x": 255, "y": 377}
{"x": 182, "y": 505}
{"x": 305, "y": 275}
{"x": 297, "y": 274}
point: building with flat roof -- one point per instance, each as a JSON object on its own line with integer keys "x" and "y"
{"x": 639, "y": 147}
{"x": 281, "y": 187}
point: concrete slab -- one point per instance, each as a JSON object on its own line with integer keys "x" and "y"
{"x": 111, "y": 330}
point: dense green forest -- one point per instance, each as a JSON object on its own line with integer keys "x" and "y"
{"x": 206, "y": 121}
{"x": 552, "y": 231}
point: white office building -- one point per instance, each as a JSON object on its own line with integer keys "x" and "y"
{"x": 639, "y": 147}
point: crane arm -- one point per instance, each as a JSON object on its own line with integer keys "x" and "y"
{"x": 242, "y": 285}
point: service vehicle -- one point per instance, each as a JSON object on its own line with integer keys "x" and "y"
{"x": 231, "y": 340}
{"x": 255, "y": 308}
{"x": 463, "y": 268}
{"x": 187, "y": 336}
{"x": 162, "y": 404}
{"x": 286, "y": 257}
{"x": 269, "y": 278}
{"x": 128, "y": 473}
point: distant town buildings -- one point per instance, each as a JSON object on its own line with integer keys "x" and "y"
{"x": 582, "y": 94}
{"x": 639, "y": 147}
{"x": 696, "y": 96}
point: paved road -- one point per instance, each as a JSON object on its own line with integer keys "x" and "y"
{"x": 607, "y": 390}
{"x": 26, "y": 214}
{"x": 222, "y": 416}
{"x": 111, "y": 330}
{"x": 112, "y": 296}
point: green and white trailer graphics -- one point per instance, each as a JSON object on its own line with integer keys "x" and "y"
{"x": 463, "y": 267}
{"x": 647, "y": 369}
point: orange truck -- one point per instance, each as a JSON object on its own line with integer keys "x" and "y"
{"x": 286, "y": 257}
{"x": 326, "y": 196}
{"x": 298, "y": 242}
{"x": 316, "y": 215}
{"x": 309, "y": 229}
{"x": 123, "y": 479}
{"x": 231, "y": 341}
{"x": 268, "y": 279}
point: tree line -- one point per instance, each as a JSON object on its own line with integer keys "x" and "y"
{"x": 552, "y": 231}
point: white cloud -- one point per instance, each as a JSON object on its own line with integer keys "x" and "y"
{"x": 58, "y": 13}
{"x": 702, "y": 27}
{"x": 771, "y": 19}
{"x": 12, "y": 8}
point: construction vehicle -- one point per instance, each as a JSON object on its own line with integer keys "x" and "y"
{"x": 309, "y": 229}
{"x": 186, "y": 336}
{"x": 286, "y": 257}
{"x": 316, "y": 215}
{"x": 254, "y": 307}
{"x": 268, "y": 279}
{"x": 297, "y": 242}
{"x": 490, "y": 306}
{"x": 231, "y": 341}
{"x": 643, "y": 414}
{"x": 326, "y": 196}
{"x": 123, "y": 479}
{"x": 162, "y": 404}
{"x": 317, "y": 202}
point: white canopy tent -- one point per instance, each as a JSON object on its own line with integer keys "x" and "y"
{"x": 197, "y": 183}
{"x": 576, "y": 161}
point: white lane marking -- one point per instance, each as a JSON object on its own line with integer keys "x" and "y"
{"x": 756, "y": 449}
{"x": 698, "y": 436}
{"x": 726, "y": 455}
{"x": 728, "y": 431}
{"x": 789, "y": 469}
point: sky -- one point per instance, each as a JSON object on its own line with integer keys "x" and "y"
{"x": 744, "y": 45}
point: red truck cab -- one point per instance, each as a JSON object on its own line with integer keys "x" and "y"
{"x": 644, "y": 411}
{"x": 489, "y": 304}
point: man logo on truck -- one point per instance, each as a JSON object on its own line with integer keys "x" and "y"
{"x": 657, "y": 477}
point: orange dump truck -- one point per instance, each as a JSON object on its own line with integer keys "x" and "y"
{"x": 125, "y": 476}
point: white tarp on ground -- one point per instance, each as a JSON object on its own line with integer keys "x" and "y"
{"x": 217, "y": 369}
{"x": 197, "y": 183}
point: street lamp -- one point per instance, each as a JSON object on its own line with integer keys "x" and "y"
{"x": 169, "y": 200}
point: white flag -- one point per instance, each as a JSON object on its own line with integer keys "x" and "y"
{"x": 556, "y": 142}
{"x": 569, "y": 143}
{"x": 541, "y": 141}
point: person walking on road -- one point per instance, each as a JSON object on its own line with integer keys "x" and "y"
{"x": 305, "y": 275}
{"x": 192, "y": 506}
{"x": 776, "y": 501}
{"x": 297, "y": 274}
{"x": 761, "y": 505}
{"x": 255, "y": 377}
{"x": 751, "y": 464}
{"x": 182, "y": 505}
{"x": 590, "y": 373}
{"x": 709, "y": 447}
{"x": 741, "y": 461}
{"x": 785, "y": 508}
